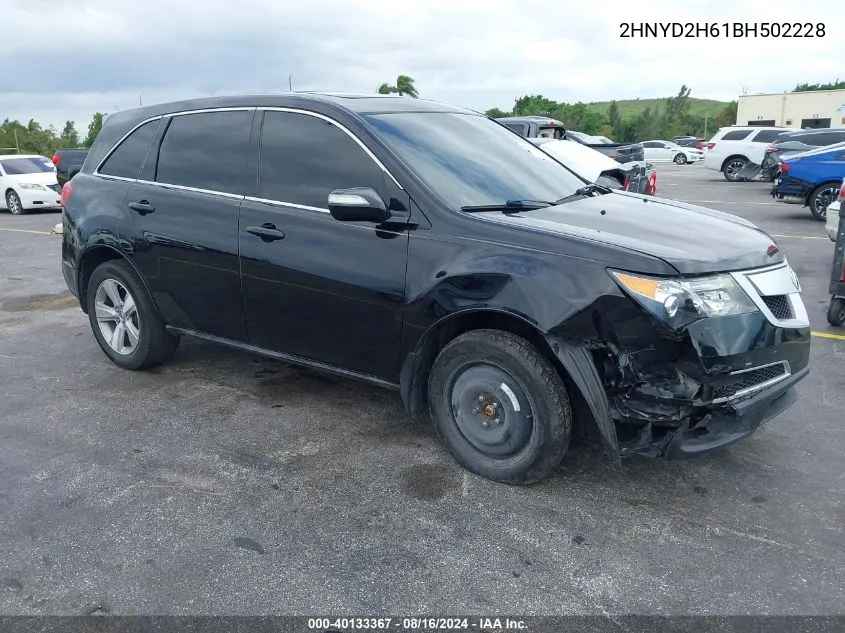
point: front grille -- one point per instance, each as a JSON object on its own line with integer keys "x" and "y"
{"x": 747, "y": 380}
{"x": 779, "y": 306}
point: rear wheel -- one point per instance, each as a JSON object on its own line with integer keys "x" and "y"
{"x": 836, "y": 311}
{"x": 124, "y": 319}
{"x": 732, "y": 169}
{"x": 13, "y": 203}
{"x": 680, "y": 159}
{"x": 821, "y": 198}
{"x": 500, "y": 407}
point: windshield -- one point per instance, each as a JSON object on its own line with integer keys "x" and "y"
{"x": 470, "y": 160}
{"x": 31, "y": 165}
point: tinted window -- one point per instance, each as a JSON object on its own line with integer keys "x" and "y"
{"x": 126, "y": 160}
{"x": 303, "y": 158}
{"x": 820, "y": 139}
{"x": 736, "y": 135}
{"x": 651, "y": 144}
{"x": 206, "y": 151}
{"x": 766, "y": 136}
{"x": 469, "y": 160}
{"x": 33, "y": 165}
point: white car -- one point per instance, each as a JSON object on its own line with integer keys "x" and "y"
{"x": 834, "y": 210}
{"x": 28, "y": 181}
{"x": 733, "y": 148}
{"x": 668, "y": 152}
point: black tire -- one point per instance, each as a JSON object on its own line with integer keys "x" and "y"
{"x": 821, "y": 198}
{"x": 836, "y": 311}
{"x": 154, "y": 343}
{"x": 13, "y": 203}
{"x": 680, "y": 159}
{"x": 732, "y": 167}
{"x": 531, "y": 430}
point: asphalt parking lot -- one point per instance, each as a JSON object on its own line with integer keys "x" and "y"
{"x": 222, "y": 483}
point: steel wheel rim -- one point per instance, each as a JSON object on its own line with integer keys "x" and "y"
{"x": 491, "y": 410}
{"x": 14, "y": 202}
{"x": 117, "y": 316}
{"x": 734, "y": 167}
{"x": 823, "y": 200}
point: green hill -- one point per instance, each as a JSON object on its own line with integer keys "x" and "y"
{"x": 630, "y": 108}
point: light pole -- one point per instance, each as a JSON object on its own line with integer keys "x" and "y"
{"x": 290, "y": 83}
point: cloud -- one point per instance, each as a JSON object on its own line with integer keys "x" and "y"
{"x": 105, "y": 53}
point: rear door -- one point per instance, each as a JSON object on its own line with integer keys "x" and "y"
{"x": 319, "y": 289}
{"x": 183, "y": 219}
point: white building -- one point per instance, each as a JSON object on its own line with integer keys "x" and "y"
{"x": 815, "y": 109}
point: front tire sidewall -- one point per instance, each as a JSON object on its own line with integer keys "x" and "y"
{"x": 14, "y": 209}
{"x": 814, "y": 198}
{"x": 733, "y": 178}
{"x": 680, "y": 159}
{"x": 547, "y": 396}
{"x": 836, "y": 312}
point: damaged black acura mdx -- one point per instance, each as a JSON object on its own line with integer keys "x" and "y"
{"x": 428, "y": 249}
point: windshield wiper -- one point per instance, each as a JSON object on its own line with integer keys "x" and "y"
{"x": 510, "y": 206}
{"x": 585, "y": 191}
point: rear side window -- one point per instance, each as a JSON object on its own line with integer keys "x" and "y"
{"x": 207, "y": 151}
{"x": 519, "y": 128}
{"x": 303, "y": 158}
{"x": 822, "y": 139}
{"x": 736, "y": 135}
{"x": 766, "y": 136}
{"x": 126, "y": 160}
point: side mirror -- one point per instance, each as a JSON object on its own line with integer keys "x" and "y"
{"x": 359, "y": 204}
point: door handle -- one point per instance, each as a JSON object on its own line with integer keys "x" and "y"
{"x": 143, "y": 207}
{"x": 267, "y": 232}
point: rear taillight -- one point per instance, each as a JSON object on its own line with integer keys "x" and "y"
{"x": 67, "y": 189}
{"x": 56, "y": 159}
{"x": 651, "y": 186}
{"x": 784, "y": 168}
{"x": 699, "y": 145}
{"x": 841, "y": 197}
{"x": 613, "y": 157}
{"x": 627, "y": 183}
{"x": 711, "y": 145}
{"x": 769, "y": 150}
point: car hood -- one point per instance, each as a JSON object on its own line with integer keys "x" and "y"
{"x": 692, "y": 239}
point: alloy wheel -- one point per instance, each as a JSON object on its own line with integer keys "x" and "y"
{"x": 117, "y": 316}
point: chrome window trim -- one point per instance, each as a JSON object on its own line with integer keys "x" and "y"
{"x": 213, "y": 192}
{"x": 787, "y": 372}
{"x": 281, "y": 203}
{"x": 341, "y": 127}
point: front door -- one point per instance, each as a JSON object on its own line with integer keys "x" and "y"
{"x": 314, "y": 287}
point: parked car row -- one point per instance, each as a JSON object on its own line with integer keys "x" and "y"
{"x": 811, "y": 179}
{"x": 28, "y": 181}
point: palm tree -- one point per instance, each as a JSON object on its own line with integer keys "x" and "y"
{"x": 404, "y": 86}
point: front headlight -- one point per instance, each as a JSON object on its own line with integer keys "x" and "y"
{"x": 679, "y": 302}
{"x": 31, "y": 185}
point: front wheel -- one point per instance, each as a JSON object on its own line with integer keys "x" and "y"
{"x": 836, "y": 311}
{"x": 500, "y": 407}
{"x": 124, "y": 318}
{"x": 821, "y": 198}
{"x": 13, "y": 203}
{"x": 680, "y": 159}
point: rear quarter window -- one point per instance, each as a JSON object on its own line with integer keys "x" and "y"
{"x": 766, "y": 136}
{"x": 128, "y": 157}
{"x": 736, "y": 135}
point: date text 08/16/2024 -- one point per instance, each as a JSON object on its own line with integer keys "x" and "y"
{"x": 723, "y": 29}
{"x": 417, "y": 624}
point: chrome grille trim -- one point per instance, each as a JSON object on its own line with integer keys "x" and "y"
{"x": 787, "y": 372}
{"x": 778, "y": 279}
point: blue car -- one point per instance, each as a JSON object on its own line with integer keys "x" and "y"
{"x": 811, "y": 179}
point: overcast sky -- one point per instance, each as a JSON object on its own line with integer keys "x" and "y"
{"x": 71, "y": 59}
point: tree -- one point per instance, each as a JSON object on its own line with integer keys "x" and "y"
{"x": 836, "y": 85}
{"x": 94, "y": 128}
{"x": 534, "y": 105}
{"x": 495, "y": 113}
{"x": 727, "y": 116}
{"x": 675, "y": 116}
{"x": 69, "y": 136}
{"x": 614, "y": 120}
{"x": 404, "y": 86}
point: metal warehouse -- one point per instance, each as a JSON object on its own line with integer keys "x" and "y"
{"x": 815, "y": 109}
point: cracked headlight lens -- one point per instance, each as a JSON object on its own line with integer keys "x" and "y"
{"x": 678, "y": 302}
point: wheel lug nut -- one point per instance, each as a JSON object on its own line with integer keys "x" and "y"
{"x": 474, "y": 411}
{"x": 485, "y": 423}
{"x": 481, "y": 398}
{"x": 497, "y": 421}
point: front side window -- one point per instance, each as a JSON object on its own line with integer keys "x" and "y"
{"x": 766, "y": 136}
{"x": 469, "y": 160}
{"x": 303, "y": 158}
{"x": 207, "y": 150}
{"x": 126, "y": 160}
{"x": 26, "y": 165}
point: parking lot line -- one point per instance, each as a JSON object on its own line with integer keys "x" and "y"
{"x": 836, "y": 337}
{"x": 26, "y": 231}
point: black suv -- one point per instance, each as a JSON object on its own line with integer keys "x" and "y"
{"x": 68, "y": 162}
{"x": 426, "y": 248}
